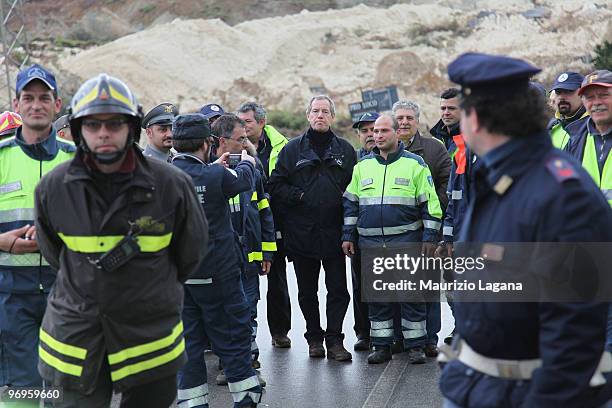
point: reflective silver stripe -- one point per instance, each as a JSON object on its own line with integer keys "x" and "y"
{"x": 32, "y": 259}
{"x": 196, "y": 402}
{"x": 422, "y": 198}
{"x": 381, "y": 332}
{"x": 457, "y": 194}
{"x": 432, "y": 224}
{"x": 401, "y": 229}
{"x": 413, "y": 334}
{"x": 239, "y": 396}
{"x": 448, "y": 231}
{"x": 243, "y": 385}
{"x": 235, "y": 207}
{"x": 350, "y": 220}
{"x": 386, "y": 324}
{"x": 413, "y": 325}
{"x": 389, "y": 200}
{"x": 279, "y": 235}
{"x": 194, "y": 392}
{"x": 254, "y": 346}
{"x": 199, "y": 281}
{"x": 607, "y": 193}
{"x": 254, "y": 331}
{"x": 17, "y": 214}
{"x": 350, "y": 196}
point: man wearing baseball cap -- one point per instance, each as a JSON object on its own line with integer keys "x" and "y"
{"x": 364, "y": 127}
{"x": 211, "y": 112}
{"x": 158, "y": 125}
{"x": 25, "y": 276}
{"x": 568, "y": 107}
{"x": 592, "y": 145}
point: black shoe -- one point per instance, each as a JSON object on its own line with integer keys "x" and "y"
{"x": 397, "y": 347}
{"x": 416, "y": 355}
{"x": 449, "y": 338}
{"x": 316, "y": 350}
{"x": 431, "y": 350}
{"x": 281, "y": 341}
{"x": 379, "y": 355}
{"x": 337, "y": 352}
{"x": 362, "y": 345}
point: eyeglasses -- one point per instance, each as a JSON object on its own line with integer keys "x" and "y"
{"x": 113, "y": 125}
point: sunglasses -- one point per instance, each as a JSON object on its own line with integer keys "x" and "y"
{"x": 112, "y": 125}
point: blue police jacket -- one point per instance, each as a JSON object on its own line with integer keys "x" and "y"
{"x": 215, "y": 185}
{"x": 527, "y": 191}
{"x": 21, "y": 168}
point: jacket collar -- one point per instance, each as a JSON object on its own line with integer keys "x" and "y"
{"x": 44, "y": 150}
{"x": 333, "y": 151}
{"x": 188, "y": 157}
{"x": 416, "y": 145}
{"x": 392, "y": 156}
{"x": 142, "y": 176}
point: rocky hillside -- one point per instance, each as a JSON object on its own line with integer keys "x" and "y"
{"x": 280, "y": 61}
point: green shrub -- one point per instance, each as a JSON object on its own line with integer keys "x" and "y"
{"x": 603, "y": 56}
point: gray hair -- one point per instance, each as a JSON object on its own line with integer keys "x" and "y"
{"x": 332, "y": 106}
{"x": 259, "y": 113}
{"x": 405, "y": 104}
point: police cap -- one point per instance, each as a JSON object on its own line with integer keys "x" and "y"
{"x": 366, "y": 117}
{"x": 162, "y": 114}
{"x": 62, "y": 122}
{"x": 490, "y": 75}
{"x": 190, "y": 126}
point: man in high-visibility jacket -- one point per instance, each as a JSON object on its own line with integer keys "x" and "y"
{"x": 269, "y": 142}
{"x": 119, "y": 229}
{"x": 392, "y": 199}
{"x": 569, "y": 111}
{"x": 25, "y": 276}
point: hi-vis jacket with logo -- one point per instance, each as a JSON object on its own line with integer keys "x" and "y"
{"x": 391, "y": 201}
{"x": 21, "y": 167}
{"x": 131, "y": 316}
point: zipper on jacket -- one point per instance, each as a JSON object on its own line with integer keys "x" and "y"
{"x": 40, "y": 285}
{"x": 382, "y": 198}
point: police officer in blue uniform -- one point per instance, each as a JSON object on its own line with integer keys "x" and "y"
{"x": 523, "y": 190}
{"x": 215, "y": 303}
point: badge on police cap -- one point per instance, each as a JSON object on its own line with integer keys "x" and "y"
{"x": 168, "y": 108}
{"x": 563, "y": 77}
{"x": 214, "y": 108}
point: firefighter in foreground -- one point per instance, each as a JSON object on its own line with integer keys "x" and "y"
{"x": 216, "y": 307}
{"x": 113, "y": 320}
{"x": 537, "y": 354}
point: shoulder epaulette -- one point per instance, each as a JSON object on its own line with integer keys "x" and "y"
{"x": 8, "y": 142}
{"x": 561, "y": 169}
{"x": 416, "y": 157}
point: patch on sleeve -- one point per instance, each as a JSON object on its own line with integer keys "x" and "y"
{"x": 561, "y": 169}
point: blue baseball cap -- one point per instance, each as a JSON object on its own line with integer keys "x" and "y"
{"x": 569, "y": 81}
{"x": 366, "y": 117}
{"x": 211, "y": 110}
{"x": 33, "y": 72}
{"x": 492, "y": 75}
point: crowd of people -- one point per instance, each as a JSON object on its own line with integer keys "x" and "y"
{"x": 121, "y": 266}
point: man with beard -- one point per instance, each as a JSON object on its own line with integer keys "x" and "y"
{"x": 309, "y": 179}
{"x": 448, "y": 125}
{"x": 568, "y": 108}
{"x": 158, "y": 125}
{"x": 365, "y": 131}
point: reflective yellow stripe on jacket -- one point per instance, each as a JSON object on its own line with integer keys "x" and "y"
{"x": 174, "y": 350}
{"x": 63, "y": 350}
{"x": 96, "y": 244}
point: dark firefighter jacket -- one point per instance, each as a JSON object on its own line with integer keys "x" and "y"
{"x": 131, "y": 316}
